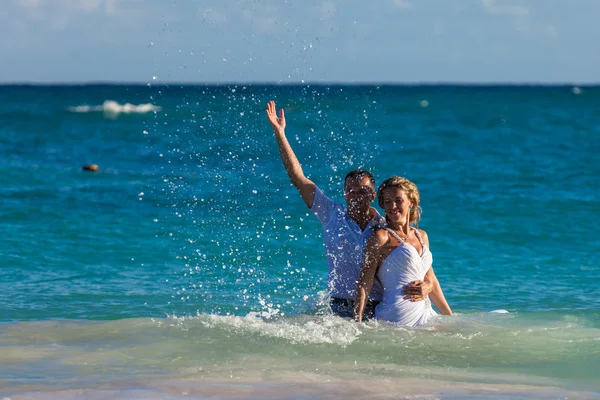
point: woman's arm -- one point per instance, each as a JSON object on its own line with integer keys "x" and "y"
{"x": 371, "y": 261}
{"x": 437, "y": 295}
{"x": 290, "y": 162}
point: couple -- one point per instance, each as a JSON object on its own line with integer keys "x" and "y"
{"x": 378, "y": 267}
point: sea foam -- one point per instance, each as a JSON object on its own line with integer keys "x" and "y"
{"x": 112, "y": 107}
{"x": 300, "y": 329}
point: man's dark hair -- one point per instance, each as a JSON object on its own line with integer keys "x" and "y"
{"x": 360, "y": 174}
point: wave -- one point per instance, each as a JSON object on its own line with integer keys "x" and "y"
{"x": 112, "y": 107}
{"x": 515, "y": 353}
{"x": 300, "y": 329}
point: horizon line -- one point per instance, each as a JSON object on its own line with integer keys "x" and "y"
{"x": 312, "y": 83}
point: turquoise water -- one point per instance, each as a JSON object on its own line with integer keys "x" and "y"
{"x": 189, "y": 264}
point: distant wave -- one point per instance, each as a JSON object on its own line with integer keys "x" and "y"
{"x": 112, "y": 107}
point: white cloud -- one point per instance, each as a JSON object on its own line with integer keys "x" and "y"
{"x": 494, "y": 8}
{"x": 550, "y": 31}
{"x": 86, "y": 6}
{"x": 58, "y": 14}
{"x": 29, "y": 3}
{"x": 264, "y": 20}
{"x": 529, "y": 29}
{"x": 521, "y": 18}
{"x": 403, "y": 3}
{"x": 213, "y": 15}
{"x": 328, "y": 10}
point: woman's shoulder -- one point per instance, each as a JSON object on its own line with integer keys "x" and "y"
{"x": 381, "y": 234}
{"x": 423, "y": 235}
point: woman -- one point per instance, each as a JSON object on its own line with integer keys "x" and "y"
{"x": 399, "y": 254}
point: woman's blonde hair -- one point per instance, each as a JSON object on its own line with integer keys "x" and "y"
{"x": 411, "y": 190}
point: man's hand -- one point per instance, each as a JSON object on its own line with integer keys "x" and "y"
{"x": 417, "y": 290}
{"x": 278, "y": 124}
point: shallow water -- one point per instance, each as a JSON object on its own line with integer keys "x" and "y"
{"x": 189, "y": 264}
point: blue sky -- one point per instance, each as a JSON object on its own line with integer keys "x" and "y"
{"x": 290, "y": 41}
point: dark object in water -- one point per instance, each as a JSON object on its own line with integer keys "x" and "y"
{"x": 91, "y": 167}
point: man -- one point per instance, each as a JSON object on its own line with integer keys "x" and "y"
{"x": 346, "y": 228}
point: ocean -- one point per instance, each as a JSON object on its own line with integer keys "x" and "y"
{"x": 189, "y": 267}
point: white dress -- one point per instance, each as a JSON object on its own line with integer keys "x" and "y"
{"x": 402, "y": 266}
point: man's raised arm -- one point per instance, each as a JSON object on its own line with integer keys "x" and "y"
{"x": 292, "y": 166}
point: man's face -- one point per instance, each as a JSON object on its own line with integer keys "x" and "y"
{"x": 359, "y": 192}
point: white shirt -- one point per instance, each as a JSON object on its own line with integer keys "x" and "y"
{"x": 344, "y": 243}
